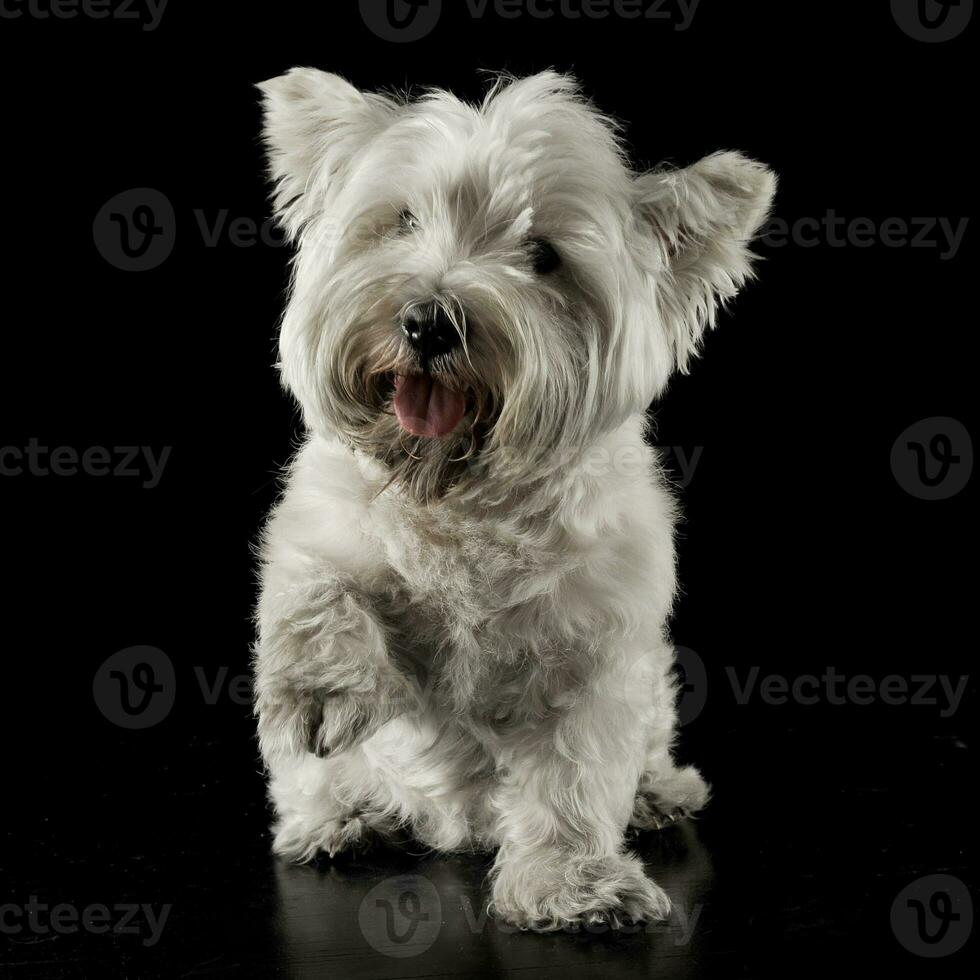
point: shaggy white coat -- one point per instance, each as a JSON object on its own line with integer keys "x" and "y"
{"x": 467, "y": 636}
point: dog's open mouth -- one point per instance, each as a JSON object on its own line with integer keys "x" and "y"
{"x": 426, "y": 407}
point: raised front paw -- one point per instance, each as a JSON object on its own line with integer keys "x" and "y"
{"x": 339, "y": 720}
{"x": 322, "y": 722}
{"x": 554, "y": 891}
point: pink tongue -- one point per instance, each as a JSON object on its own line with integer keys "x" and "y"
{"x": 425, "y": 407}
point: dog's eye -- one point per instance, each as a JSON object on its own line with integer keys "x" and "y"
{"x": 407, "y": 221}
{"x": 544, "y": 258}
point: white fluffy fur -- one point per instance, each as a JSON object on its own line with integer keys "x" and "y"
{"x": 466, "y": 637}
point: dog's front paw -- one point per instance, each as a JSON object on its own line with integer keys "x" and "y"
{"x": 285, "y": 720}
{"x": 339, "y": 720}
{"x": 299, "y": 839}
{"x": 558, "y": 892}
{"x": 324, "y": 722}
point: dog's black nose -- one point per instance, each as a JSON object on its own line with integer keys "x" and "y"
{"x": 430, "y": 331}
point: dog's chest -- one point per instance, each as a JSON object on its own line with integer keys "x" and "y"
{"x": 463, "y": 573}
{"x": 470, "y": 596}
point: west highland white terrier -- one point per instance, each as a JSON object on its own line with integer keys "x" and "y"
{"x": 462, "y": 628}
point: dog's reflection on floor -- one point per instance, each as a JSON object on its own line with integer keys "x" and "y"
{"x": 366, "y": 914}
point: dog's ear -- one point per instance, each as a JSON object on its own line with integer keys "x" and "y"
{"x": 314, "y": 125}
{"x": 701, "y": 221}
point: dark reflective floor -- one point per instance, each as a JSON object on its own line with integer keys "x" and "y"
{"x": 815, "y": 829}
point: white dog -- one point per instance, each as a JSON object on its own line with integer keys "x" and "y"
{"x": 466, "y": 585}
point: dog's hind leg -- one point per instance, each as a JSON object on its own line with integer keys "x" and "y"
{"x": 666, "y": 792}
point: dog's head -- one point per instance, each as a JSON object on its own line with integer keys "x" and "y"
{"x": 480, "y": 291}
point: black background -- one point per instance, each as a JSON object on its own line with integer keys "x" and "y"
{"x": 800, "y": 549}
